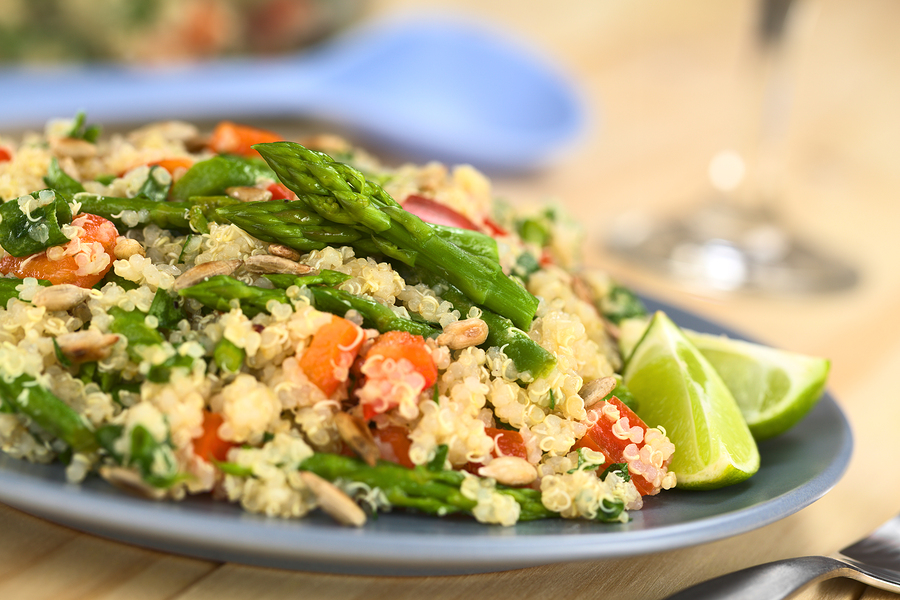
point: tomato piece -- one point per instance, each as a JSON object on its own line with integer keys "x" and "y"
{"x": 5, "y": 154}
{"x": 494, "y": 228}
{"x": 436, "y": 213}
{"x": 547, "y": 259}
{"x": 397, "y": 368}
{"x": 82, "y": 261}
{"x": 231, "y": 138}
{"x": 209, "y": 446}
{"x": 621, "y": 436}
{"x": 327, "y": 360}
{"x": 281, "y": 192}
{"x": 393, "y": 442}
{"x": 507, "y": 442}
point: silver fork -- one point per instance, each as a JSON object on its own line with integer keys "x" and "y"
{"x": 874, "y": 560}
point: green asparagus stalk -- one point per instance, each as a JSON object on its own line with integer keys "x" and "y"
{"x": 228, "y": 356}
{"x": 323, "y": 277}
{"x": 375, "y": 315}
{"x": 342, "y": 195}
{"x": 218, "y": 292}
{"x": 432, "y": 491}
{"x": 529, "y": 357}
{"x": 293, "y": 224}
{"x": 25, "y": 395}
{"x": 168, "y": 215}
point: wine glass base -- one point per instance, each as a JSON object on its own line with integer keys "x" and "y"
{"x": 730, "y": 248}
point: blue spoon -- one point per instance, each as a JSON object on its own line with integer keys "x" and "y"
{"x": 435, "y": 88}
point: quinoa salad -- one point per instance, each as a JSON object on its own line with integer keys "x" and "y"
{"x": 291, "y": 326}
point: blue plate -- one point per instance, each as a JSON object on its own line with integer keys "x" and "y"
{"x": 798, "y": 468}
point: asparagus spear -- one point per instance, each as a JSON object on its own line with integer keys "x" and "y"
{"x": 429, "y": 490}
{"x": 342, "y": 195}
{"x": 375, "y": 315}
{"x": 293, "y": 224}
{"x": 527, "y": 355}
{"x": 218, "y": 291}
{"x": 323, "y": 277}
{"x": 25, "y": 395}
{"x": 228, "y": 356}
{"x": 168, "y": 215}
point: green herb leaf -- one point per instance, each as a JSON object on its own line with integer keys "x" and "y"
{"x": 39, "y": 228}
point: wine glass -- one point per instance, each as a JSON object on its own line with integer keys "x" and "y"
{"x": 736, "y": 241}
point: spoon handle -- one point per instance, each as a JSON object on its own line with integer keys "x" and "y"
{"x": 120, "y": 93}
{"x": 771, "y": 581}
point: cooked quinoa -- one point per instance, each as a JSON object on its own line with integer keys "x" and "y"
{"x": 246, "y": 431}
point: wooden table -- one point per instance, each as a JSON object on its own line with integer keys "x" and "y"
{"x": 661, "y": 77}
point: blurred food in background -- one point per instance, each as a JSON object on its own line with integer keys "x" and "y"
{"x": 153, "y": 31}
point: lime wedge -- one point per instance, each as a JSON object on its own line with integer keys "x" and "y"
{"x": 631, "y": 331}
{"x": 677, "y": 388}
{"x": 773, "y": 388}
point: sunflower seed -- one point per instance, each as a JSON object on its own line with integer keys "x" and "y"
{"x": 60, "y": 297}
{"x": 266, "y": 263}
{"x": 334, "y": 501}
{"x": 204, "y": 271}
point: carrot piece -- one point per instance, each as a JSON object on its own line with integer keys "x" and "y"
{"x": 397, "y": 368}
{"x": 79, "y": 261}
{"x": 174, "y": 165}
{"x": 602, "y": 437}
{"x": 209, "y": 446}
{"x": 401, "y": 344}
{"x": 393, "y": 441}
{"x": 231, "y": 138}
{"x": 327, "y": 360}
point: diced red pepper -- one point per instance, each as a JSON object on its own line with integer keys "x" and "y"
{"x": 5, "y": 154}
{"x": 494, "y": 228}
{"x": 281, "y": 192}
{"x": 601, "y": 437}
{"x": 507, "y": 442}
{"x": 393, "y": 441}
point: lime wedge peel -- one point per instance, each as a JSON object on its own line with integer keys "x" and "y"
{"x": 677, "y": 388}
{"x": 774, "y": 388}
